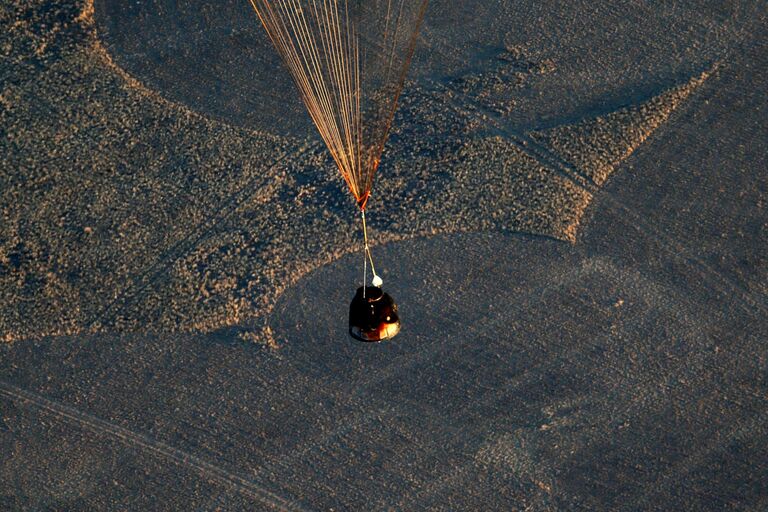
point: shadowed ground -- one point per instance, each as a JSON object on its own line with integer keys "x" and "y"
{"x": 592, "y": 337}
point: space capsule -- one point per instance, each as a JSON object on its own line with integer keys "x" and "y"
{"x": 373, "y": 315}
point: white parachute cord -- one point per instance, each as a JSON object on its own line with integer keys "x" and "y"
{"x": 365, "y": 258}
{"x": 368, "y": 247}
{"x": 369, "y": 257}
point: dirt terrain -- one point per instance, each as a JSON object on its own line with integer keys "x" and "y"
{"x": 571, "y": 213}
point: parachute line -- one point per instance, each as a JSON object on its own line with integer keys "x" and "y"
{"x": 367, "y": 256}
{"x": 348, "y": 60}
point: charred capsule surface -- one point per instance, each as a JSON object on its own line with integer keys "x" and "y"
{"x": 373, "y": 315}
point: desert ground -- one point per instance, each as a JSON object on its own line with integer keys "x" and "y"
{"x": 571, "y": 212}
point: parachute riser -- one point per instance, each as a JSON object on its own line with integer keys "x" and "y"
{"x": 368, "y": 257}
{"x": 363, "y": 201}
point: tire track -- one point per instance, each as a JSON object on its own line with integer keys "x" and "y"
{"x": 144, "y": 443}
{"x": 568, "y": 171}
{"x": 630, "y": 414}
{"x": 225, "y": 210}
{"x": 357, "y": 390}
{"x": 755, "y": 426}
